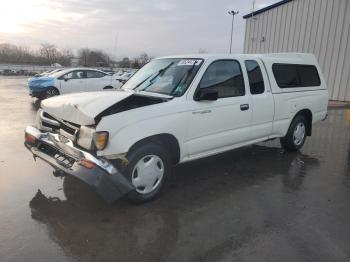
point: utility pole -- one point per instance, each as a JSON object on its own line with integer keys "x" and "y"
{"x": 233, "y": 13}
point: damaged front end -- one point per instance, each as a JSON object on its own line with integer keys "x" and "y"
{"x": 65, "y": 137}
{"x": 64, "y": 156}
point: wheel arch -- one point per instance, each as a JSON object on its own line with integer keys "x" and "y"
{"x": 169, "y": 141}
{"x": 53, "y": 87}
{"x": 307, "y": 113}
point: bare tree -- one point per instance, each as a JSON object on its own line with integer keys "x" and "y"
{"x": 83, "y": 55}
{"x": 143, "y": 59}
{"x": 136, "y": 64}
{"x": 93, "y": 57}
{"x": 49, "y": 52}
{"x": 125, "y": 63}
{"x": 65, "y": 57}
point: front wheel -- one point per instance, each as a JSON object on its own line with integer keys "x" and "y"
{"x": 52, "y": 92}
{"x": 148, "y": 169}
{"x": 296, "y": 135}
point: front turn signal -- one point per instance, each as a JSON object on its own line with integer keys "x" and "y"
{"x": 86, "y": 163}
{"x": 100, "y": 139}
{"x": 30, "y": 139}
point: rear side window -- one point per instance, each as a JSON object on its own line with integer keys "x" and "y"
{"x": 256, "y": 80}
{"x": 226, "y": 77}
{"x": 94, "y": 74}
{"x": 291, "y": 75}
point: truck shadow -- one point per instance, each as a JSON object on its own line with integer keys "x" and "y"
{"x": 90, "y": 230}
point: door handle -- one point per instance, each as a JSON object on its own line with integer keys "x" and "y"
{"x": 244, "y": 107}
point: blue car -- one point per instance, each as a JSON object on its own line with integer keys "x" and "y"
{"x": 71, "y": 80}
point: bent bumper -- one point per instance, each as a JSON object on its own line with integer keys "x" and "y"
{"x": 102, "y": 176}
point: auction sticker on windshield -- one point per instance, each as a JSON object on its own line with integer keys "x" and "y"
{"x": 189, "y": 62}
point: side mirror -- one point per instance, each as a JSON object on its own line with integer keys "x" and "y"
{"x": 65, "y": 78}
{"x": 121, "y": 81}
{"x": 206, "y": 94}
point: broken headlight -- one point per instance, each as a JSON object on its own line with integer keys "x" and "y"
{"x": 85, "y": 137}
{"x": 90, "y": 139}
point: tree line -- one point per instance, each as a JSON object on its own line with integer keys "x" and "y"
{"x": 48, "y": 54}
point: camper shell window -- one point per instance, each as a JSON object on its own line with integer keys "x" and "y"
{"x": 292, "y": 75}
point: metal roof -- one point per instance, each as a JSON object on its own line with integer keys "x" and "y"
{"x": 266, "y": 8}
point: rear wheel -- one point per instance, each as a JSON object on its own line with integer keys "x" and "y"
{"x": 52, "y": 92}
{"x": 148, "y": 169}
{"x": 296, "y": 135}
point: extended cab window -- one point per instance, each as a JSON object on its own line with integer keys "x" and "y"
{"x": 225, "y": 76}
{"x": 94, "y": 74}
{"x": 291, "y": 75}
{"x": 256, "y": 80}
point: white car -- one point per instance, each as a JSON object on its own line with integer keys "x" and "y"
{"x": 49, "y": 72}
{"x": 124, "y": 76}
{"x": 174, "y": 110}
{"x": 71, "y": 80}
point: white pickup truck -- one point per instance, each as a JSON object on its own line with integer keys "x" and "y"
{"x": 176, "y": 109}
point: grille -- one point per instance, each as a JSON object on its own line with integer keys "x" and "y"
{"x": 60, "y": 157}
{"x": 64, "y": 160}
{"x": 48, "y": 116}
{"x": 69, "y": 128}
{"x": 45, "y": 124}
{"x": 65, "y": 128}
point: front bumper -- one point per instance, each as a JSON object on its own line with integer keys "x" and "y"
{"x": 62, "y": 155}
{"x": 38, "y": 94}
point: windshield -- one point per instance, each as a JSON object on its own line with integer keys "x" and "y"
{"x": 169, "y": 76}
{"x": 60, "y": 73}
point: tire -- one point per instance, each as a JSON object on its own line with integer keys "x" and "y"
{"x": 148, "y": 170}
{"x": 52, "y": 91}
{"x": 296, "y": 135}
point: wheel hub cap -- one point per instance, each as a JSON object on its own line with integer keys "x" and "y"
{"x": 147, "y": 174}
{"x": 299, "y": 134}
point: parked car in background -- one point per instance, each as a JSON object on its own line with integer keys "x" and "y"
{"x": 109, "y": 71}
{"x": 9, "y": 72}
{"x": 178, "y": 109}
{"x": 49, "y": 72}
{"x": 124, "y": 76}
{"x": 71, "y": 80}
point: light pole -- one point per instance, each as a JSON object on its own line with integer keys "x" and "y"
{"x": 233, "y": 13}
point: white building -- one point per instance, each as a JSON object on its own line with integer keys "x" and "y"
{"x": 321, "y": 27}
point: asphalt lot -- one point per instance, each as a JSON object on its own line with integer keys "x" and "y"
{"x": 252, "y": 204}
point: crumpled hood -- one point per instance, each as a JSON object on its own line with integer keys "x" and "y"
{"x": 40, "y": 79}
{"x": 82, "y": 108}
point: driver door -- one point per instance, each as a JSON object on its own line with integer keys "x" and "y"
{"x": 73, "y": 82}
{"x": 215, "y": 126}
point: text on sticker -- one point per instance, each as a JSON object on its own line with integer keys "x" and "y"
{"x": 189, "y": 62}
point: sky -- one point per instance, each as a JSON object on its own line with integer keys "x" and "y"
{"x": 127, "y": 27}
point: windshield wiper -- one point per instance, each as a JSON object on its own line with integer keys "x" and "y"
{"x": 160, "y": 72}
{"x": 183, "y": 79}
